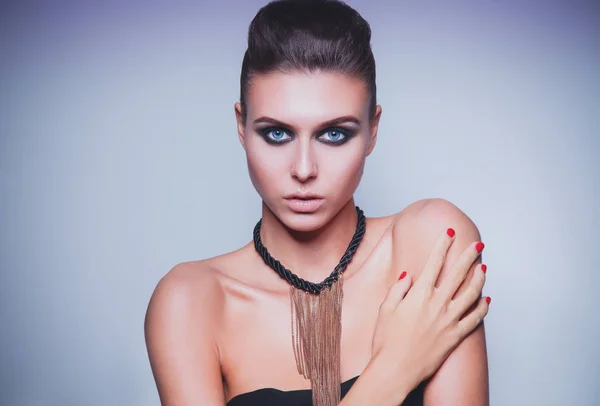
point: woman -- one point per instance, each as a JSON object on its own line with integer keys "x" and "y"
{"x": 397, "y": 321}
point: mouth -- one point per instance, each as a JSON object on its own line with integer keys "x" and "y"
{"x": 304, "y": 203}
{"x": 303, "y": 196}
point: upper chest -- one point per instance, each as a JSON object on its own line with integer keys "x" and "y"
{"x": 255, "y": 337}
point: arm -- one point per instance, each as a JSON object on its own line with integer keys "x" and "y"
{"x": 179, "y": 328}
{"x": 419, "y": 327}
{"x": 463, "y": 378}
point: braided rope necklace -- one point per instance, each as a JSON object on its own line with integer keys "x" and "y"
{"x": 316, "y": 314}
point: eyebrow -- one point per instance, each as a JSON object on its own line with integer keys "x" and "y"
{"x": 335, "y": 121}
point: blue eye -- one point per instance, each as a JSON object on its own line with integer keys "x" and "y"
{"x": 275, "y": 135}
{"x": 334, "y": 136}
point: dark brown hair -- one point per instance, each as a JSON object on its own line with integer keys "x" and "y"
{"x": 309, "y": 35}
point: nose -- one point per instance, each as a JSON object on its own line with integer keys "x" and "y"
{"x": 304, "y": 167}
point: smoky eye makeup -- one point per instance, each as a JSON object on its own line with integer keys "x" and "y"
{"x": 330, "y": 135}
{"x": 336, "y": 135}
{"x": 275, "y": 135}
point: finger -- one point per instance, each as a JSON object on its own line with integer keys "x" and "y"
{"x": 459, "y": 306}
{"x": 397, "y": 292}
{"x": 436, "y": 259}
{"x": 471, "y": 321}
{"x": 458, "y": 273}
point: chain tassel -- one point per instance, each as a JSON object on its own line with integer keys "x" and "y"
{"x": 316, "y": 339}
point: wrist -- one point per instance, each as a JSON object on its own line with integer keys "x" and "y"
{"x": 382, "y": 383}
{"x": 393, "y": 377}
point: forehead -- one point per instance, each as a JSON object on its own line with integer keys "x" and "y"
{"x": 303, "y": 96}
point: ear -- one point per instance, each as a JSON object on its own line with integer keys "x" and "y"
{"x": 241, "y": 125}
{"x": 374, "y": 126}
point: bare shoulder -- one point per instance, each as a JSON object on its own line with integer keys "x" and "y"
{"x": 181, "y": 327}
{"x": 185, "y": 287}
{"x": 196, "y": 282}
{"x": 433, "y": 216}
{"x": 418, "y": 225}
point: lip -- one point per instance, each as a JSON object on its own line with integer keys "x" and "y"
{"x": 304, "y": 202}
{"x": 303, "y": 196}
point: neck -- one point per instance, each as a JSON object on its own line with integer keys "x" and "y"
{"x": 310, "y": 255}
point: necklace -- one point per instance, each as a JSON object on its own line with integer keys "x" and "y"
{"x": 316, "y": 314}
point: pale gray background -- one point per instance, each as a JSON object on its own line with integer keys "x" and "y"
{"x": 119, "y": 159}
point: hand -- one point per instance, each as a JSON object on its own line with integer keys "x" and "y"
{"x": 418, "y": 328}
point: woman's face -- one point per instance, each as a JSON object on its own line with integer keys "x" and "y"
{"x": 306, "y": 137}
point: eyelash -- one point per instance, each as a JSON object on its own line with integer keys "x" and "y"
{"x": 344, "y": 132}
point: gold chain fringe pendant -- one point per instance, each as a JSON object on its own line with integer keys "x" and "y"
{"x": 317, "y": 319}
{"x": 316, "y": 339}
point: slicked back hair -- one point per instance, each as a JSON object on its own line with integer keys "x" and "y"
{"x": 308, "y": 36}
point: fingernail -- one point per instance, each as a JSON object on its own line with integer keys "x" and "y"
{"x": 402, "y": 275}
{"x": 488, "y": 300}
{"x": 479, "y": 247}
{"x": 483, "y": 267}
{"x": 450, "y": 232}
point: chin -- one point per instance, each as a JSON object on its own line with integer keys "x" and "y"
{"x": 303, "y": 222}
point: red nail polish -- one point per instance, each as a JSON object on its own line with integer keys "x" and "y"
{"x": 402, "y": 275}
{"x": 483, "y": 267}
{"x": 479, "y": 247}
{"x": 488, "y": 300}
{"x": 450, "y": 232}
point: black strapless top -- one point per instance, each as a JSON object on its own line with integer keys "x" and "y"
{"x": 303, "y": 397}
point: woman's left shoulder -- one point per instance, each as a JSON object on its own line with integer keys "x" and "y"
{"x": 425, "y": 219}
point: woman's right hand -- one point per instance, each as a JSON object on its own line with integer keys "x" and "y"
{"x": 418, "y": 326}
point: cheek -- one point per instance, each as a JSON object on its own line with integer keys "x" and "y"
{"x": 344, "y": 169}
{"x": 265, "y": 169}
